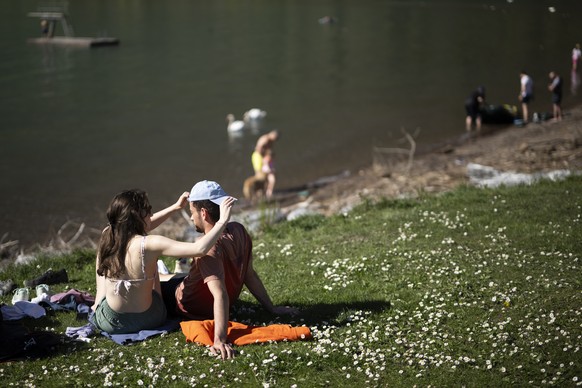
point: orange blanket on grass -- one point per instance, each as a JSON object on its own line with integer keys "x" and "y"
{"x": 202, "y": 332}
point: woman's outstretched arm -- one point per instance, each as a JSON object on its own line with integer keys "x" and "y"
{"x": 168, "y": 247}
{"x": 160, "y": 216}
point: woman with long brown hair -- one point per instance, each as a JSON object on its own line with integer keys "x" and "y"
{"x": 128, "y": 286}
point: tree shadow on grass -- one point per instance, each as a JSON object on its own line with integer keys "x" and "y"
{"x": 336, "y": 314}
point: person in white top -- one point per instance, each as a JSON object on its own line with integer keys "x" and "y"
{"x": 525, "y": 94}
{"x": 555, "y": 87}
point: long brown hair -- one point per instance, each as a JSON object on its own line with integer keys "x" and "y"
{"x": 126, "y": 215}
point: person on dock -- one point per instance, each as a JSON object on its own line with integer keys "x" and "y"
{"x": 215, "y": 280}
{"x": 128, "y": 297}
{"x": 44, "y": 28}
{"x": 525, "y": 94}
{"x": 555, "y": 87}
{"x": 473, "y": 105}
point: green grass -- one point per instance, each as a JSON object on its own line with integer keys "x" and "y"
{"x": 477, "y": 287}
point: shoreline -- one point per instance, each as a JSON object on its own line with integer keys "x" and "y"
{"x": 536, "y": 147}
{"x": 533, "y": 148}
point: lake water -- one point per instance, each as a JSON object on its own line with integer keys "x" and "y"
{"x": 79, "y": 125}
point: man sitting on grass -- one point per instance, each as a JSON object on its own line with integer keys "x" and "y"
{"x": 215, "y": 281}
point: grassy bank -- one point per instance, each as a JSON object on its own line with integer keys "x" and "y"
{"x": 477, "y": 287}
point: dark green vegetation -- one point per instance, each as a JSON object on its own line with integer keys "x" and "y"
{"x": 477, "y": 287}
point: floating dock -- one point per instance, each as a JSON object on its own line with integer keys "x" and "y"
{"x": 76, "y": 41}
{"x": 50, "y": 17}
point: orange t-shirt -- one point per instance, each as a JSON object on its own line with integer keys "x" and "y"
{"x": 227, "y": 260}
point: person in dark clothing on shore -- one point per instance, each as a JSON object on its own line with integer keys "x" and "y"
{"x": 555, "y": 87}
{"x": 473, "y": 106}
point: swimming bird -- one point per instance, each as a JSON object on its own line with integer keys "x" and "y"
{"x": 254, "y": 114}
{"x": 234, "y": 125}
{"x": 327, "y": 20}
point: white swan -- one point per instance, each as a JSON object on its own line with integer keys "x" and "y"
{"x": 254, "y": 114}
{"x": 234, "y": 125}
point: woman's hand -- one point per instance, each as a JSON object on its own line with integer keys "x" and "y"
{"x": 182, "y": 202}
{"x": 225, "y": 208}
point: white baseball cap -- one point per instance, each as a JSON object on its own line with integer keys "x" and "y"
{"x": 207, "y": 190}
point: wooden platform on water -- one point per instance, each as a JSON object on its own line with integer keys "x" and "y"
{"x": 53, "y": 15}
{"x": 76, "y": 41}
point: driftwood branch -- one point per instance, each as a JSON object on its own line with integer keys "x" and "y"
{"x": 7, "y": 248}
{"x": 8, "y": 244}
{"x": 396, "y": 155}
{"x": 412, "y": 148}
{"x": 75, "y": 237}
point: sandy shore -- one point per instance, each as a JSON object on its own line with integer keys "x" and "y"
{"x": 536, "y": 147}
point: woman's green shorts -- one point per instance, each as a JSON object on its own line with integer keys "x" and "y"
{"x": 112, "y": 322}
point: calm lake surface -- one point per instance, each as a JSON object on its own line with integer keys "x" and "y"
{"x": 79, "y": 125}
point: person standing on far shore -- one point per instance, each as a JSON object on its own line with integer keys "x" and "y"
{"x": 555, "y": 87}
{"x": 574, "y": 82}
{"x": 576, "y": 55}
{"x": 526, "y": 94}
{"x": 473, "y": 106}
